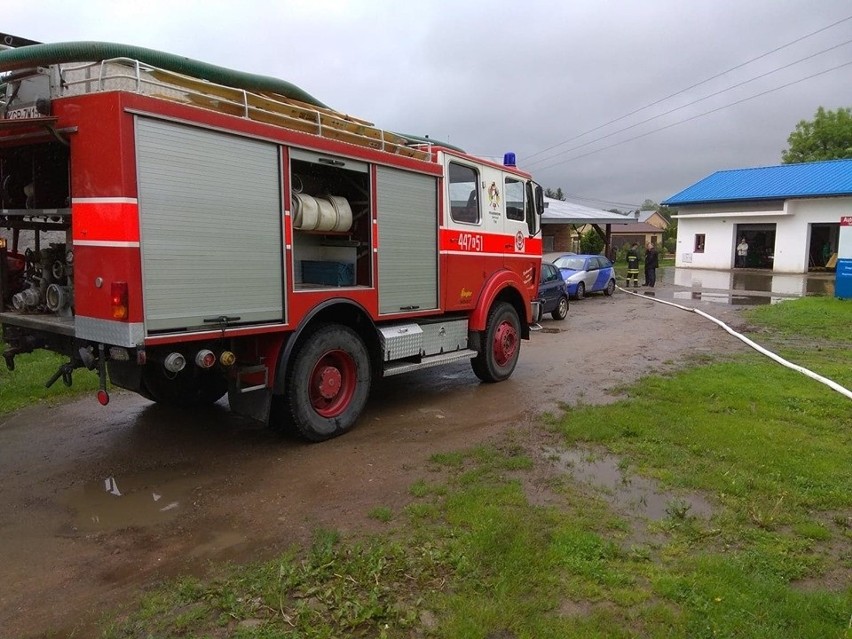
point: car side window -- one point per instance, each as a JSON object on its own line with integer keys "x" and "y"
{"x": 514, "y": 192}
{"x": 552, "y": 273}
{"x": 464, "y": 194}
{"x": 592, "y": 264}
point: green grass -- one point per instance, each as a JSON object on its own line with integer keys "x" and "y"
{"x": 473, "y": 556}
{"x": 26, "y": 384}
{"x": 811, "y": 317}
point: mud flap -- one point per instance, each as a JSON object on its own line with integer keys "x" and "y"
{"x": 254, "y": 404}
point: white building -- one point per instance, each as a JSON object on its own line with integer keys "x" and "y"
{"x": 788, "y": 214}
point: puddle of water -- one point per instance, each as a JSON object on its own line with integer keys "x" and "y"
{"x": 725, "y": 298}
{"x": 214, "y": 542}
{"x": 139, "y": 500}
{"x": 792, "y": 284}
{"x": 638, "y": 495}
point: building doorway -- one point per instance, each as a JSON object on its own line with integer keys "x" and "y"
{"x": 823, "y": 246}
{"x": 761, "y": 244}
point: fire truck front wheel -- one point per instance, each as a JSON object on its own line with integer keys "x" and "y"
{"x": 501, "y": 344}
{"x": 329, "y": 382}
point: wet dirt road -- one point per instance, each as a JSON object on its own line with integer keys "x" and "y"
{"x": 98, "y": 503}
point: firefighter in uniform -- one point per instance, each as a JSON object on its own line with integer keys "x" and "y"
{"x": 633, "y": 265}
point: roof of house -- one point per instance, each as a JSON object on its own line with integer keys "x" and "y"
{"x": 561, "y": 212}
{"x": 785, "y": 181}
{"x": 637, "y": 227}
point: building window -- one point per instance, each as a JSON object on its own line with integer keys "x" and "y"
{"x": 699, "y": 243}
{"x": 464, "y": 194}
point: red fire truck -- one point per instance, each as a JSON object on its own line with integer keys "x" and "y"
{"x": 189, "y": 231}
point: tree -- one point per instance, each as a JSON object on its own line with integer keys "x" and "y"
{"x": 591, "y": 243}
{"x": 649, "y": 205}
{"x": 556, "y": 195}
{"x": 827, "y": 137}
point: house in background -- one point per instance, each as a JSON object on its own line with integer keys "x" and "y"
{"x": 562, "y": 223}
{"x": 789, "y": 215}
{"x": 647, "y": 229}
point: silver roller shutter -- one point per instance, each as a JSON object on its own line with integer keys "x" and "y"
{"x": 408, "y": 241}
{"x": 210, "y": 218}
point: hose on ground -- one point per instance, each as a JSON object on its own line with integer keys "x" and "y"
{"x": 780, "y": 360}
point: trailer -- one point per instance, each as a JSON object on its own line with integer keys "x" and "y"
{"x": 188, "y": 231}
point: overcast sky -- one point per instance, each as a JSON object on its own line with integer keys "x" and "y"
{"x": 525, "y": 76}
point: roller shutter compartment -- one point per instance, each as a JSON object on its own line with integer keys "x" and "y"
{"x": 210, "y": 226}
{"x": 408, "y": 241}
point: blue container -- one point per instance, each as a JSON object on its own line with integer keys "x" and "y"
{"x": 328, "y": 273}
{"x": 843, "y": 280}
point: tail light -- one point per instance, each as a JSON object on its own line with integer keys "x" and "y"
{"x": 119, "y": 300}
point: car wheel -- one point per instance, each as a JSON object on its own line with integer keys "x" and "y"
{"x": 501, "y": 345}
{"x": 581, "y": 291}
{"x": 561, "y": 311}
{"x": 610, "y": 288}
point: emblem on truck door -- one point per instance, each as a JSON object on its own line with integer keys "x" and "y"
{"x": 493, "y": 197}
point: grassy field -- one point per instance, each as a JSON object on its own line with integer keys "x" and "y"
{"x": 26, "y": 384}
{"x": 499, "y": 542}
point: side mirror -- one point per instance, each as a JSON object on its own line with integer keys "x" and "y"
{"x": 535, "y": 201}
{"x": 539, "y": 199}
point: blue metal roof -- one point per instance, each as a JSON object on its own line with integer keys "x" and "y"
{"x": 785, "y": 181}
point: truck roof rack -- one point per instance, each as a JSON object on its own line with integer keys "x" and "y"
{"x": 77, "y": 77}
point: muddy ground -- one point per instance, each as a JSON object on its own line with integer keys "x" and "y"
{"x": 97, "y": 503}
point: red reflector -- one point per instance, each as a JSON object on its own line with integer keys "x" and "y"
{"x": 103, "y": 397}
{"x": 119, "y": 300}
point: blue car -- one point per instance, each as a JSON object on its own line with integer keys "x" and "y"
{"x": 586, "y": 274}
{"x": 552, "y": 293}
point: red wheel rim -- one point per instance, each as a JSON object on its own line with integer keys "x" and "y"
{"x": 333, "y": 382}
{"x": 505, "y": 343}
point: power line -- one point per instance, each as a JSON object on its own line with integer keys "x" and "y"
{"x": 594, "y": 199}
{"x": 647, "y": 106}
{"x": 700, "y": 115}
{"x": 670, "y": 111}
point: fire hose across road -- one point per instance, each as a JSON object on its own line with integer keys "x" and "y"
{"x": 780, "y": 360}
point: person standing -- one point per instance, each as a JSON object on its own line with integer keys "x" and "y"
{"x": 742, "y": 252}
{"x": 652, "y": 262}
{"x": 633, "y": 265}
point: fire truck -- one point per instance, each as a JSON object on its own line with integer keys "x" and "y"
{"x": 189, "y": 231}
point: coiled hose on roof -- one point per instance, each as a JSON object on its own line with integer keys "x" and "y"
{"x": 86, "y": 51}
{"x": 61, "y": 52}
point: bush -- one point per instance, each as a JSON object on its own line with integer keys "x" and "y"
{"x": 591, "y": 243}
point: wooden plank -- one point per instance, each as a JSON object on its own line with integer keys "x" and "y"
{"x": 285, "y": 112}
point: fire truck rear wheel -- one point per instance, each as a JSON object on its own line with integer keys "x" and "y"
{"x": 501, "y": 344}
{"x": 329, "y": 383}
{"x": 185, "y": 389}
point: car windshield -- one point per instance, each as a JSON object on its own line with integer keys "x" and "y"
{"x": 571, "y": 263}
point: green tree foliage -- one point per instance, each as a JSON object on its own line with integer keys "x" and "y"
{"x": 827, "y": 137}
{"x": 591, "y": 242}
{"x": 556, "y": 195}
